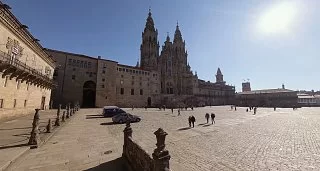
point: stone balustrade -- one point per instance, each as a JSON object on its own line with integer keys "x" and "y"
{"x": 138, "y": 159}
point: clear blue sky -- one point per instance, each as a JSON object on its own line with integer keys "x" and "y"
{"x": 218, "y": 33}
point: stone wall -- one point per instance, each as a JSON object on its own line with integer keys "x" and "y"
{"x": 138, "y": 159}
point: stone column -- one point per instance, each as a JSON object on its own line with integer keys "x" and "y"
{"x": 57, "y": 123}
{"x": 160, "y": 155}
{"x": 49, "y": 126}
{"x": 127, "y": 133}
{"x": 63, "y": 116}
{"x": 67, "y": 116}
{"x": 34, "y": 138}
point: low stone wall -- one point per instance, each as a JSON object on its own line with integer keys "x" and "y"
{"x": 139, "y": 160}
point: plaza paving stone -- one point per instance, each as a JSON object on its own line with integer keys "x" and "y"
{"x": 270, "y": 140}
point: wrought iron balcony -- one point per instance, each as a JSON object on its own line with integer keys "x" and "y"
{"x": 15, "y": 68}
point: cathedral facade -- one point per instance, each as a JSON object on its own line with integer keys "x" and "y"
{"x": 162, "y": 77}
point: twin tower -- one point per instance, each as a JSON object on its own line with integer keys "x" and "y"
{"x": 170, "y": 63}
{"x": 173, "y": 52}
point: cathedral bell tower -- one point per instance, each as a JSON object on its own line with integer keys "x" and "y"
{"x": 219, "y": 77}
{"x": 149, "y": 48}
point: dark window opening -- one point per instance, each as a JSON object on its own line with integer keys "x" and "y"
{"x": 122, "y": 91}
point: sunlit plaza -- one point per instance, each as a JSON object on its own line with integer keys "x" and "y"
{"x": 284, "y": 139}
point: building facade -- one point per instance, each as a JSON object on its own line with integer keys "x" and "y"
{"x": 268, "y": 98}
{"x": 25, "y": 69}
{"x": 162, "y": 77}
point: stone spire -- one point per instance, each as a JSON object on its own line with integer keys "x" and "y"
{"x": 149, "y": 49}
{"x": 149, "y": 23}
{"x": 168, "y": 37}
{"x": 219, "y": 76}
{"x": 177, "y": 34}
{"x": 219, "y": 72}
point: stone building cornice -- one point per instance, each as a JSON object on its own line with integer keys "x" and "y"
{"x": 18, "y": 29}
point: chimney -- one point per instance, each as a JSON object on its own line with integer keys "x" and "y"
{"x": 283, "y": 86}
{"x": 99, "y": 57}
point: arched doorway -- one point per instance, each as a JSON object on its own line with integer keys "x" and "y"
{"x": 149, "y": 101}
{"x": 89, "y": 94}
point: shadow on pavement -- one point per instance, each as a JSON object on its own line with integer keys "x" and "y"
{"x": 13, "y": 146}
{"x": 206, "y": 125}
{"x": 94, "y": 116}
{"x": 113, "y": 165}
{"x": 182, "y": 129}
{"x": 14, "y": 128}
{"x": 108, "y": 123}
{"x": 201, "y": 124}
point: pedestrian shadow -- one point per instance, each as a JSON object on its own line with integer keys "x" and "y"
{"x": 185, "y": 128}
{"x": 108, "y": 123}
{"x": 206, "y": 125}
{"x": 201, "y": 124}
{"x": 113, "y": 165}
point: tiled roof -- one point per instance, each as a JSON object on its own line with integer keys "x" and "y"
{"x": 267, "y": 91}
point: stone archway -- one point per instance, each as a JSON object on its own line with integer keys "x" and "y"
{"x": 89, "y": 94}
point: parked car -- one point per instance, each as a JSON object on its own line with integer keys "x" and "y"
{"x": 110, "y": 111}
{"x": 124, "y": 117}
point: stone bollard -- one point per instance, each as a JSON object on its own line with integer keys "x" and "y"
{"x": 49, "y": 126}
{"x": 63, "y": 116}
{"x": 160, "y": 155}
{"x": 34, "y": 138}
{"x": 127, "y": 133}
{"x": 67, "y": 116}
{"x": 57, "y": 123}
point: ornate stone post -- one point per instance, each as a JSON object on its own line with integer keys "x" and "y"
{"x": 57, "y": 123}
{"x": 63, "y": 116}
{"x": 67, "y": 116}
{"x": 49, "y": 126}
{"x": 127, "y": 133}
{"x": 160, "y": 155}
{"x": 34, "y": 138}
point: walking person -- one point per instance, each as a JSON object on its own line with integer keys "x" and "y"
{"x": 193, "y": 120}
{"x": 207, "y": 117}
{"x": 172, "y": 110}
{"x": 254, "y": 110}
{"x": 212, "y": 118}
{"x": 189, "y": 119}
{"x": 235, "y": 108}
{"x": 178, "y": 112}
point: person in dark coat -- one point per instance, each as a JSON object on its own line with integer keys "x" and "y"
{"x": 212, "y": 118}
{"x": 193, "y": 120}
{"x": 189, "y": 119}
{"x": 254, "y": 110}
{"x": 178, "y": 112}
{"x": 207, "y": 117}
{"x": 247, "y": 110}
{"x": 171, "y": 109}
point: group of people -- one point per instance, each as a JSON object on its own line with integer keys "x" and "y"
{"x": 192, "y": 119}
{"x": 212, "y": 117}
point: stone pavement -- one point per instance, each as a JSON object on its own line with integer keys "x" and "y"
{"x": 271, "y": 140}
{"x": 14, "y": 135}
{"x": 81, "y": 144}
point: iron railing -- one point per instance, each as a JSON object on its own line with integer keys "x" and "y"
{"x": 7, "y": 59}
